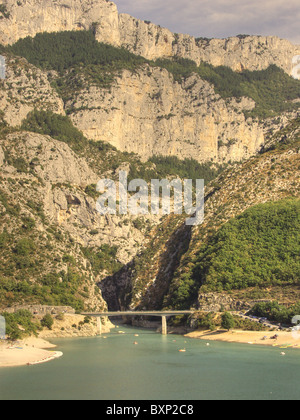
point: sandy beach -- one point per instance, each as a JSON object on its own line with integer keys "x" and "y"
{"x": 34, "y": 350}
{"x": 28, "y": 351}
{"x": 284, "y": 340}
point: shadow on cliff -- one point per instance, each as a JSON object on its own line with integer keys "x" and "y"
{"x": 119, "y": 290}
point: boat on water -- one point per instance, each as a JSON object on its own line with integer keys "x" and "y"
{"x": 182, "y": 350}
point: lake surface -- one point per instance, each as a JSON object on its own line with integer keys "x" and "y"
{"x": 114, "y": 368}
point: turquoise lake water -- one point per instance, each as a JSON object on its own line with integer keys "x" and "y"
{"x": 114, "y": 368}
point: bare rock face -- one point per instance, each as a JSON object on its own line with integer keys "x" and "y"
{"x": 26, "y": 88}
{"x": 27, "y": 18}
{"x": 239, "y": 53}
{"x": 63, "y": 179}
{"x": 51, "y": 159}
{"x": 217, "y": 302}
{"x": 30, "y": 17}
{"x": 148, "y": 113}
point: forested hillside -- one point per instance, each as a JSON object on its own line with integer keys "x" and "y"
{"x": 261, "y": 247}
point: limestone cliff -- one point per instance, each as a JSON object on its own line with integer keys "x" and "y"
{"x": 64, "y": 177}
{"x": 45, "y": 209}
{"x": 147, "y": 113}
{"x": 26, "y": 88}
{"x": 30, "y": 17}
{"x": 238, "y": 53}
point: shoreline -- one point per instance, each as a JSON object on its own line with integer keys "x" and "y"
{"x": 33, "y": 350}
{"x": 37, "y": 350}
{"x": 284, "y": 340}
{"x": 29, "y": 351}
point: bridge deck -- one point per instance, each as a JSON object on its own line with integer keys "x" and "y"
{"x": 162, "y": 314}
{"x": 135, "y": 313}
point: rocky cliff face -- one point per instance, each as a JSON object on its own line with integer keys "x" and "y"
{"x": 44, "y": 202}
{"x": 147, "y": 113}
{"x": 30, "y": 17}
{"x": 64, "y": 177}
{"x": 26, "y": 88}
{"x": 238, "y": 53}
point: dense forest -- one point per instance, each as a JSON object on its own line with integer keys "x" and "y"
{"x": 72, "y": 53}
{"x": 276, "y": 312}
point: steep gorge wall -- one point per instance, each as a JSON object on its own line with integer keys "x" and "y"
{"x": 29, "y": 17}
{"x": 147, "y": 113}
{"x": 238, "y": 53}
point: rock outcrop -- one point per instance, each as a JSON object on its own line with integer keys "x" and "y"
{"x": 30, "y": 17}
{"x": 26, "y": 88}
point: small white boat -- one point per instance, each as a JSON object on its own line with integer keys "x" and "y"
{"x": 182, "y": 350}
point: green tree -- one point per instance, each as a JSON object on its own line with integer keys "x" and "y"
{"x": 227, "y": 321}
{"x": 47, "y": 321}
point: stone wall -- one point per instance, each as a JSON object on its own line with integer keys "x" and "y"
{"x": 41, "y": 310}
